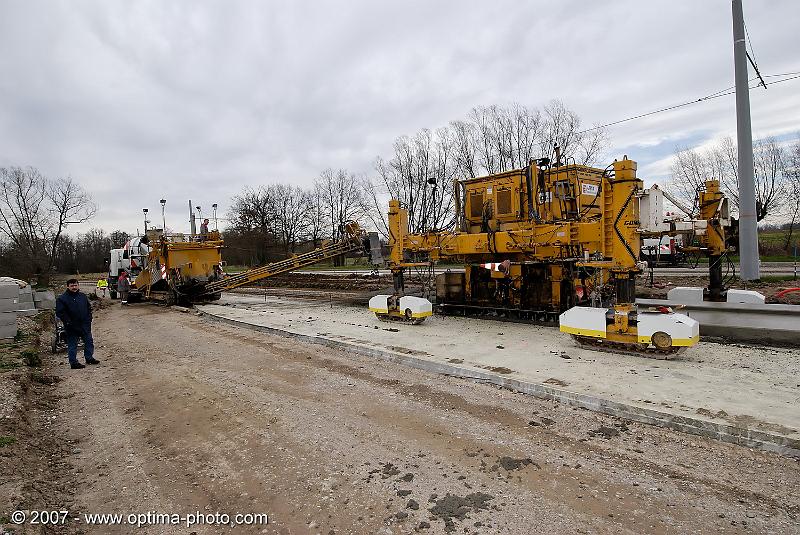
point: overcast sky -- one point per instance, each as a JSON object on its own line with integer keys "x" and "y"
{"x": 198, "y": 99}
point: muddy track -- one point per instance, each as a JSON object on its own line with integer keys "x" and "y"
{"x": 186, "y": 414}
{"x": 37, "y": 469}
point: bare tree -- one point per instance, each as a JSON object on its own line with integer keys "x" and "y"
{"x": 560, "y": 128}
{"x": 724, "y": 166}
{"x": 690, "y": 170}
{"x": 374, "y": 204}
{"x": 252, "y": 225}
{"x": 290, "y": 207}
{"x": 92, "y": 250}
{"x": 118, "y": 238}
{"x": 463, "y": 142}
{"x": 769, "y": 165}
{"x": 316, "y": 226}
{"x": 491, "y": 140}
{"x": 34, "y": 212}
{"x": 420, "y": 175}
{"x": 792, "y": 174}
{"x": 485, "y": 130}
{"x": 692, "y": 167}
{"x": 253, "y": 209}
{"x": 341, "y": 197}
{"x": 69, "y": 203}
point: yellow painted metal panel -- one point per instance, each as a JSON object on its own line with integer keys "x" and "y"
{"x": 582, "y": 332}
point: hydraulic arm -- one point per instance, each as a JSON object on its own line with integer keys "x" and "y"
{"x": 352, "y": 241}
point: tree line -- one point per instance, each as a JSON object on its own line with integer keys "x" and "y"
{"x": 776, "y": 170}
{"x": 267, "y": 222}
{"x": 279, "y": 218}
{"x": 270, "y": 221}
{"x": 34, "y": 212}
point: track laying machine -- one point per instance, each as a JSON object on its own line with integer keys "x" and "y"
{"x": 181, "y": 269}
{"x": 556, "y": 242}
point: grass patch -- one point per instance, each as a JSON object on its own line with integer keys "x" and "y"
{"x": 38, "y": 377}
{"x": 776, "y": 278}
{"x": 9, "y": 356}
{"x": 32, "y": 358}
{"x": 24, "y": 349}
{"x": 764, "y": 258}
{"x": 8, "y": 366}
{"x": 6, "y": 441}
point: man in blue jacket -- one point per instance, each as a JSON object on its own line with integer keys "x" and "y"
{"x": 73, "y": 308}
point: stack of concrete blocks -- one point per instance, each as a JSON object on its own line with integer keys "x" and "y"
{"x": 44, "y": 300}
{"x": 9, "y": 295}
{"x": 26, "y": 306}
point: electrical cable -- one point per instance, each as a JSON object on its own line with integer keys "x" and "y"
{"x": 722, "y": 93}
{"x": 752, "y": 59}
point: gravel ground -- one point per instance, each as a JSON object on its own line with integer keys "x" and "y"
{"x": 187, "y": 415}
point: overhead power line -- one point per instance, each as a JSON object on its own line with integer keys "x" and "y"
{"x": 721, "y": 93}
{"x": 753, "y": 58}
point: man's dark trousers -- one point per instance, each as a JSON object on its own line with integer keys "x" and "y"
{"x": 72, "y": 344}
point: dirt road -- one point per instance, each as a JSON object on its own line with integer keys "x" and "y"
{"x": 186, "y": 415}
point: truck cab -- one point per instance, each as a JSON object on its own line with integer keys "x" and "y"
{"x": 130, "y": 258}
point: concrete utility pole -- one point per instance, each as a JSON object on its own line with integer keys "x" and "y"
{"x": 748, "y": 224}
{"x": 192, "y": 226}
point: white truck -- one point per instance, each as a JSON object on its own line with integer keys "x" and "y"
{"x": 131, "y": 258}
{"x": 663, "y": 251}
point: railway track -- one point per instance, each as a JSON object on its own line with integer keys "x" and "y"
{"x": 764, "y": 325}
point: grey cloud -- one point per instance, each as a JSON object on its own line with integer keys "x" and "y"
{"x": 183, "y": 99}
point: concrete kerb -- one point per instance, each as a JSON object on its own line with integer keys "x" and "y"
{"x": 742, "y": 436}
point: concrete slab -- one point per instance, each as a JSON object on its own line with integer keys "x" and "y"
{"x": 8, "y": 331}
{"x": 740, "y": 394}
{"x": 9, "y": 290}
{"x": 745, "y": 296}
{"x": 685, "y": 294}
{"x": 8, "y": 317}
{"x": 45, "y": 305}
{"x": 741, "y": 322}
{"x": 8, "y": 304}
{"x": 26, "y": 295}
{"x": 8, "y": 324}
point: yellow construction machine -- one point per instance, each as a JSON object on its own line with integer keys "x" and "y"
{"x": 554, "y": 242}
{"x": 183, "y": 269}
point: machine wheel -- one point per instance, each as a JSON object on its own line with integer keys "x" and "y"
{"x": 661, "y": 340}
{"x": 113, "y": 294}
{"x": 409, "y": 314}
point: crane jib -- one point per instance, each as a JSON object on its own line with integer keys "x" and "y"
{"x": 283, "y": 266}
